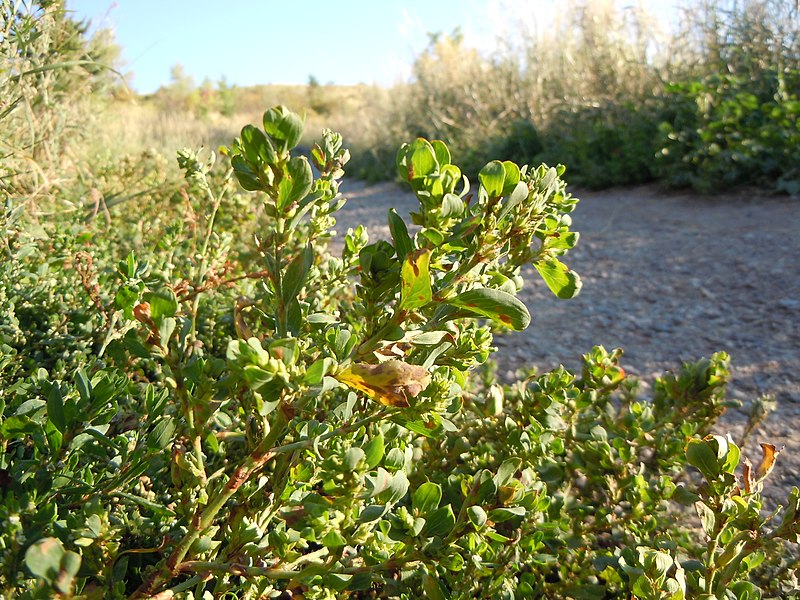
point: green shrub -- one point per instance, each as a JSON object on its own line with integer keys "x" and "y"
{"x": 606, "y": 146}
{"x": 191, "y": 414}
{"x": 726, "y": 130}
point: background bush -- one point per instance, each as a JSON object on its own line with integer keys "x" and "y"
{"x": 607, "y": 91}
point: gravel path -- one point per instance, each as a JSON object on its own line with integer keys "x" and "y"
{"x": 669, "y": 278}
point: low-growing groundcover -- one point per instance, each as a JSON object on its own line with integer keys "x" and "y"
{"x": 200, "y": 400}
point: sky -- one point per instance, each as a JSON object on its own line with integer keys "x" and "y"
{"x": 253, "y": 42}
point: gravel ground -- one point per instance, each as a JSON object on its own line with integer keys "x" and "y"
{"x": 669, "y": 278}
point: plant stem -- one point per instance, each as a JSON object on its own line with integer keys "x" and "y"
{"x": 265, "y": 451}
{"x": 183, "y": 586}
{"x": 202, "y": 269}
{"x": 280, "y": 320}
{"x": 204, "y": 517}
{"x": 711, "y": 549}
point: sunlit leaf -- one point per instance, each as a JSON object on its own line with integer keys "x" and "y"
{"x": 492, "y": 178}
{"x": 563, "y": 282}
{"x": 497, "y": 305}
{"x": 416, "y": 280}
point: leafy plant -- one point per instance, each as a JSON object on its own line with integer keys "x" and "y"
{"x": 260, "y": 421}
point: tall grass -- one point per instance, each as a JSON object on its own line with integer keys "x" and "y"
{"x": 599, "y": 86}
{"x": 589, "y": 55}
{"x": 594, "y": 88}
{"x": 51, "y": 76}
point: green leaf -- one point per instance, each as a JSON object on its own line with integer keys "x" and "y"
{"x": 511, "y": 178}
{"x": 161, "y": 434}
{"x": 701, "y": 455}
{"x": 353, "y": 457}
{"x": 428, "y": 428}
{"x": 434, "y": 236}
{"x": 430, "y": 338}
{"x": 29, "y": 406}
{"x": 433, "y": 588}
{"x": 426, "y": 497}
{"x": 256, "y": 146}
{"x": 333, "y": 539}
{"x": 707, "y": 518}
{"x": 360, "y": 582}
{"x": 163, "y": 303}
{"x": 395, "y": 459}
{"x": 377, "y": 483}
{"x": 452, "y": 206}
{"x": 70, "y": 564}
{"x": 658, "y": 561}
{"x": 374, "y": 450}
{"x": 318, "y": 370}
{"x": 125, "y": 299}
{"x": 442, "y": 153}
{"x": 731, "y": 459}
{"x": 165, "y": 330}
{"x": 492, "y": 178}
{"x": 247, "y": 178}
{"x": 423, "y": 159}
{"x": 43, "y": 558}
{"x": 398, "y": 487}
{"x": 440, "y": 522}
{"x": 500, "y": 515}
{"x": 517, "y": 195}
{"x": 683, "y": 496}
{"x": 563, "y": 282}
{"x": 296, "y": 273}
{"x": 477, "y": 516}
{"x": 416, "y": 286}
{"x": 54, "y": 437}
{"x": 373, "y": 512}
{"x": 283, "y": 125}
{"x": 84, "y": 385}
{"x": 506, "y": 471}
{"x": 418, "y": 160}
{"x": 296, "y": 183}
{"x": 55, "y": 408}
{"x": 453, "y": 561}
{"x": 402, "y": 241}
{"x": 497, "y": 305}
{"x": 18, "y": 427}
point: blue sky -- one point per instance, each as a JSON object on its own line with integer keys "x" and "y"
{"x": 279, "y": 41}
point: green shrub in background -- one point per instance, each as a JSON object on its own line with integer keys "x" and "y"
{"x": 213, "y": 417}
{"x": 612, "y": 145}
{"x": 602, "y": 89}
{"x": 721, "y": 131}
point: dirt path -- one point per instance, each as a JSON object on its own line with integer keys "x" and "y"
{"x": 668, "y": 278}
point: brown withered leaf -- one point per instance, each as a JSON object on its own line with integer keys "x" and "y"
{"x": 768, "y": 456}
{"x": 391, "y": 383}
{"x": 242, "y": 330}
{"x": 747, "y": 476}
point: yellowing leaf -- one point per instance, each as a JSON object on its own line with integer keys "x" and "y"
{"x": 497, "y": 305}
{"x": 390, "y": 383}
{"x": 416, "y": 287}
